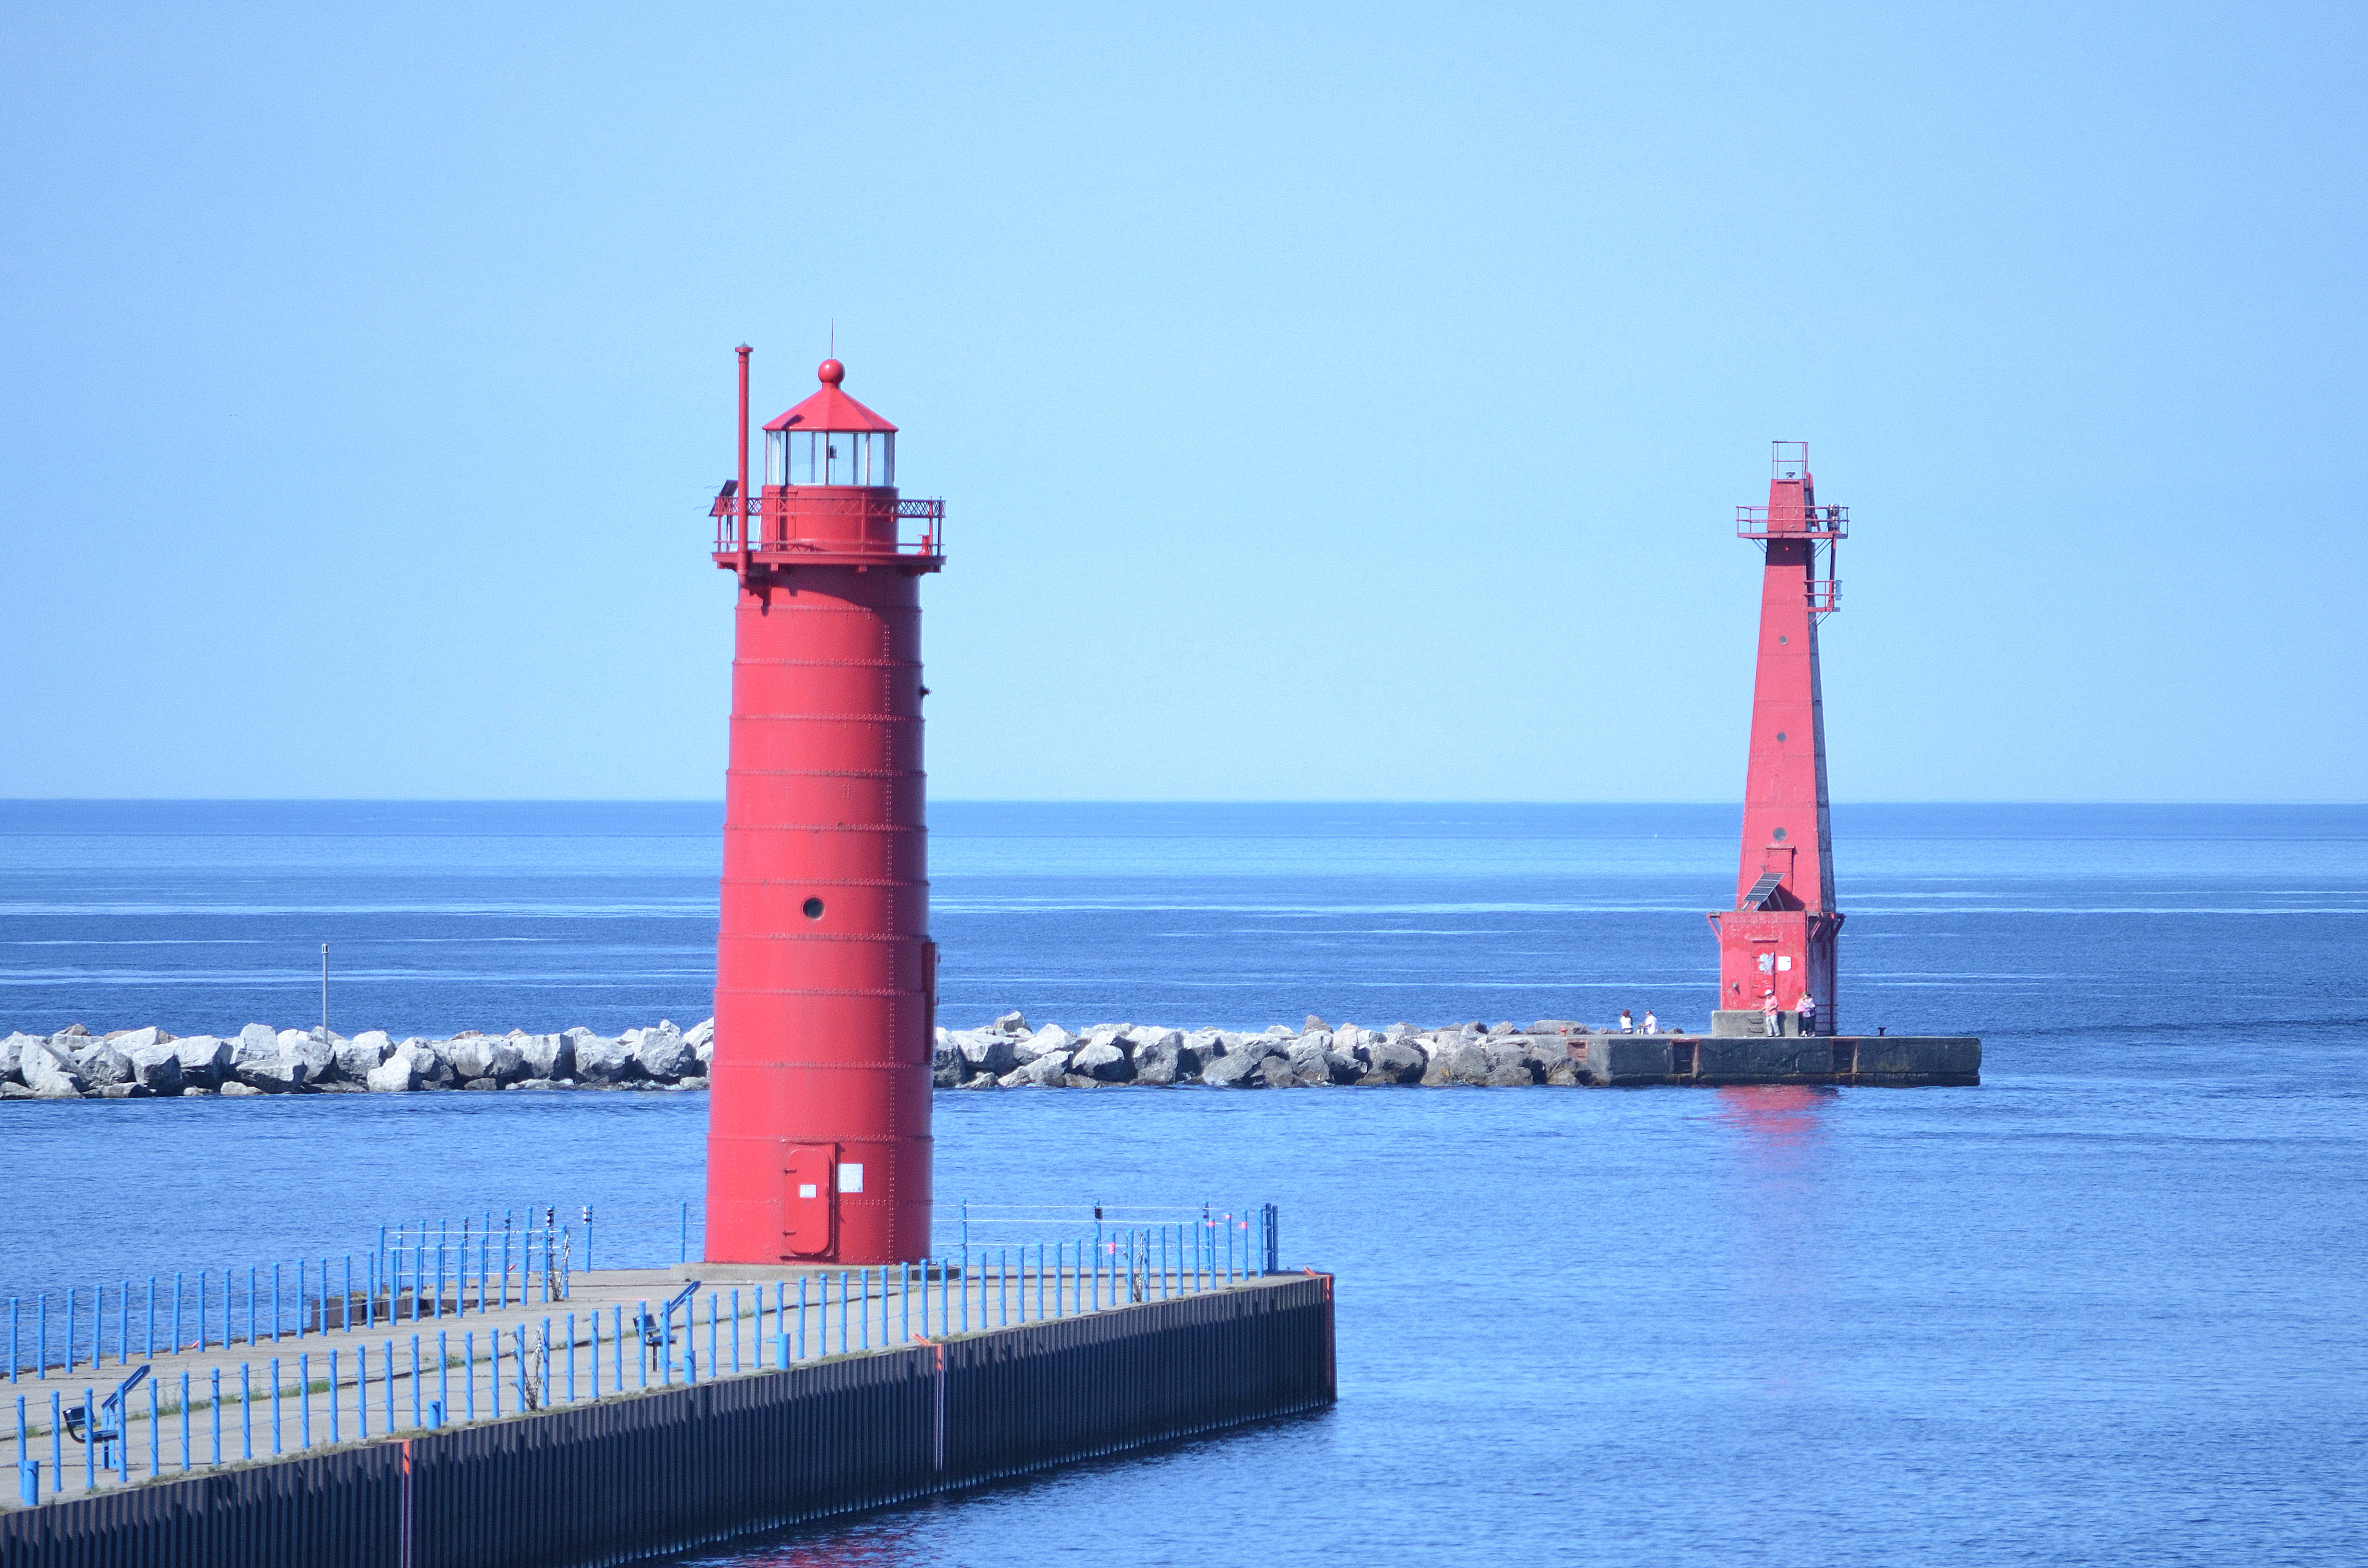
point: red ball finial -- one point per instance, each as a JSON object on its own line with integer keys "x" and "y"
{"x": 831, "y": 372}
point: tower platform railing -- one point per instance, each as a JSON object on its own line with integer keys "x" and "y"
{"x": 768, "y": 523}
{"x": 1816, "y": 522}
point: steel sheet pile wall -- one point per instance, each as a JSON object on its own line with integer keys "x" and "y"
{"x": 633, "y": 1476}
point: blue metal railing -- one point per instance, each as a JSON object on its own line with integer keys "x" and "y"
{"x": 1001, "y": 1265}
{"x": 414, "y": 1272}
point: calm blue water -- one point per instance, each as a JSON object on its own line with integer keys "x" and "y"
{"x": 2107, "y": 1307}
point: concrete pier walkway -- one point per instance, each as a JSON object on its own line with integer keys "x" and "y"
{"x": 341, "y": 1387}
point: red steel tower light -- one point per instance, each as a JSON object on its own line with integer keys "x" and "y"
{"x": 1778, "y": 938}
{"x": 826, "y": 979}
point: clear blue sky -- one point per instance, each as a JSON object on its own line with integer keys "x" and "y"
{"x": 1339, "y": 403}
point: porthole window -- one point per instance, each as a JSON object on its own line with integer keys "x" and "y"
{"x": 813, "y": 909}
{"x": 1780, "y": 734}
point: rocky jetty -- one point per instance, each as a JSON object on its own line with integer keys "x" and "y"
{"x": 260, "y": 1059}
{"x": 1008, "y": 1055}
{"x": 1004, "y": 1054}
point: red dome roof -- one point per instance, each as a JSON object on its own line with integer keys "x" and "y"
{"x": 831, "y": 409}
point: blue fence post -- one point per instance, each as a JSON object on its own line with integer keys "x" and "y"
{"x": 90, "y": 1420}
{"x": 275, "y": 1406}
{"x": 640, "y": 1350}
{"x": 304, "y": 1397}
{"x": 41, "y": 1336}
{"x": 213, "y": 1409}
{"x": 469, "y": 1373}
{"x": 616, "y": 1352}
{"x": 156, "y": 1431}
{"x": 389, "y": 1365}
{"x": 418, "y": 1388}
{"x": 149, "y": 1342}
{"x": 684, "y": 1255}
{"x": 735, "y": 1326}
{"x": 184, "y": 1423}
{"x": 70, "y": 1331}
{"x": 57, "y": 1445}
{"x": 443, "y": 1375}
{"x": 802, "y": 1317}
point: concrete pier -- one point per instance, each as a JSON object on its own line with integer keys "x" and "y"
{"x": 1624, "y": 1061}
{"x": 625, "y": 1475}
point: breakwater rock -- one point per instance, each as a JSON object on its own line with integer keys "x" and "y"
{"x": 1008, "y": 1054}
{"x": 260, "y": 1059}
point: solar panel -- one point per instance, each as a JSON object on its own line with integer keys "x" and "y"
{"x": 1763, "y": 889}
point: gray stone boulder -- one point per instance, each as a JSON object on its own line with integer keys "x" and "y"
{"x": 130, "y": 1040}
{"x": 318, "y": 1055}
{"x": 701, "y": 1038}
{"x": 156, "y": 1067}
{"x": 1514, "y": 1061}
{"x": 1315, "y": 1025}
{"x": 1278, "y": 1074}
{"x": 257, "y": 1042}
{"x": 430, "y": 1068}
{"x": 353, "y": 1062}
{"x": 1011, "y": 1023}
{"x": 1235, "y": 1070}
{"x": 1145, "y": 1037}
{"x": 12, "y": 1056}
{"x": 1199, "y": 1049}
{"x": 1391, "y": 1062}
{"x": 1160, "y": 1062}
{"x": 234, "y": 1088}
{"x": 1504, "y": 1029}
{"x": 945, "y": 1067}
{"x": 552, "y": 1055}
{"x": 205, "y": 1060}
{"x": 1049, "y": 1040}
{"x": 992, "y": 1052}
{"x": 981, "y": 1081}
{"x": 1315, "y": 1062}
{"x": 1048, "y": 1071}
{"x": 395, "y": 1075}
{"x": 1465, "y": 1062}
{"x": 102, "y": 1066}
{"x": 600, "y": 1060}
{"x": 1104, "y": 1062}
{"x": 486, "y": 1056}
{"x": 663, "y": 1054}
{"x": 271, "y": 1075}
{"x": 50, "y": 1073}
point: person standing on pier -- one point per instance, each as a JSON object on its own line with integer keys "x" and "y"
{"x": 1626, "y": 1026}
{"x": 1808, "y": 1013}
{"x": 1652, "y": 1024}
{"x": 1772, "y": 1020}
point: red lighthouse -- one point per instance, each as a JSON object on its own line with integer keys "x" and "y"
{"x": 1778, "y": 941}
{"x": 825, "y": 978}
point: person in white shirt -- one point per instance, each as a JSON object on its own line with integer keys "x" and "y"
{"x": 1652, "y": 1024}
{"x": 1625, "y": 1026}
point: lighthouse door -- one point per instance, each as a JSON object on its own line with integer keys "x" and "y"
{"x": 809, "y": 1199}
